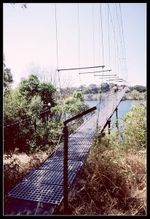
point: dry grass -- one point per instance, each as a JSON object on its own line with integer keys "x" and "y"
{"x": 15, "y": 167}
{"x": 113, "y": 182}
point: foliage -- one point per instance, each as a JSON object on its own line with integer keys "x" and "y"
{"x": 116, "y": 183}
{"x": 7, "y": 78}
{"x": 132, "y": 135}
{"x": 93, "y": 88}
{"x": 135, "y": 127}
{"x": 23, "y": 108}
{"x": 109, "y": 184}
{"x": 78, "y": 95}
{"x": 58, "y": 112}
{"x": 15, "y": 107}
{"x": 74, "y": 104}
{"x": 66, "y": 92}
{"x": 29, "y": 87}
{"x": 145, "y": 95}
{"x": 35, "y": 106}
{"x": 135, "y": 94}
{"x": 32, "y": 86}
{"x": 139, "y": 88}
{"x": 46, "y": 91}
{"x": 34, "y": 123}
{"x": 105, "y": 87}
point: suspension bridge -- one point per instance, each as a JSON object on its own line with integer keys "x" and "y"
{"x": 46, "y": 184}
{"x": 49, "y": 184}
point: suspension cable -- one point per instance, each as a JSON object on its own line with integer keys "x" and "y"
{"x": 119, "y": 35}
{"x": 100, "y": 11}
{"x": 114, "y": 34}
{"x": 102, "y": 43}
{"x": 57, "y": 52}
{"x": 121, "y": 19}
{"x": 108, "y": 36}
{"x": 78, "y": 30}
{"x": 93, "y": 34}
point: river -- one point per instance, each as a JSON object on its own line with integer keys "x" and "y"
{"x": 123, "y": 108}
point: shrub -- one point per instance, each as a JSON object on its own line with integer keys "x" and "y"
{"x": 135, "y": 128}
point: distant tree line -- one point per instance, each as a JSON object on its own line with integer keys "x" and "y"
{"x": 139, "y": 88}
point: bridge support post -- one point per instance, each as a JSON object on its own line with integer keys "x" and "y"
{"x": 109, "y": 121}
{"x": 117, "y": 118}
{"x": 65, "y": 132}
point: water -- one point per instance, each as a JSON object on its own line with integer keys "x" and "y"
{"x": 91, "y": 103}
{"x": 123, "y": 108}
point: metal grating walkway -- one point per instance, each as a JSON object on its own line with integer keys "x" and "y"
{"x": 45, "y": 184}
{"x": 38, "y": 192}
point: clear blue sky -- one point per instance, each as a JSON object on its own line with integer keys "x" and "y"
{"x": 30, "y": 40}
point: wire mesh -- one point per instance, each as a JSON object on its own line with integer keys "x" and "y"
{"x": 49, "y": 177}
{"x": 78, "y": 156}
{"x": 38, "y": 192}
{"x": 57, "y": 165}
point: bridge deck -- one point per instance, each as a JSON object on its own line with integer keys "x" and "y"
{"x": 45, "y": 184}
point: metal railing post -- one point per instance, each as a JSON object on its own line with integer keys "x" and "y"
{"x": 117, "y": 118}
{"x": 109, "y": 121}
{"x": 65, "y": 132}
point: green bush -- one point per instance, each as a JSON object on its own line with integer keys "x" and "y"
{"x": 135, "y": 127}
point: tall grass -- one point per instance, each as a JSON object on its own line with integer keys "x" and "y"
{"x": 113, "y": 180}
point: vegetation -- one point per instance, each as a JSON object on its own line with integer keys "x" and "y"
{"x": 33, "y": 115}
{"x": 92, "y": 91}
{"x": 135, "y": 128}
{"x": 137, "y": 92}
{"x": 139, "y": 88}
{"x": 8, "y": 79}
{"x": 135, "y": 95}
{"x": 116, "y": 183}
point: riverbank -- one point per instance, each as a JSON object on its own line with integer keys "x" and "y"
{"x": 134, "y": 95}
{"x": 130, "y": 95}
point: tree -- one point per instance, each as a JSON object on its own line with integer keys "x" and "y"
{"x": 135, "y": 95}
{"x": 93, "y": 89}
{"x": 75, "y": 104}
{"x": 15, "y": 107}
{"x": 17, "y": 129}
{"x": 105, "y": 87}
{"x": 78, "y": 95}
{"x": 29, "y": 87}
{"x": 8, "y": 78}
{"x": 25, "y": 116}
{"x": 46, "y": 91}
{"x": 139, "y": 88}
{"x": 32, "y": 86}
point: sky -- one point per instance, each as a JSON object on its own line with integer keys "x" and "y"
{"x": 39, "y": 39}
